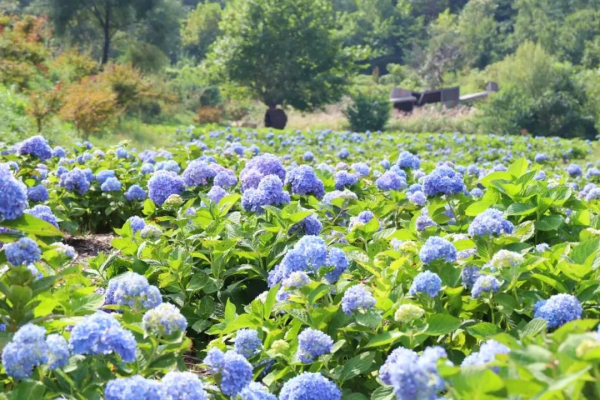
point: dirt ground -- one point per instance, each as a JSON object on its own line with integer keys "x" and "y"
{"x": 89, "y": 246}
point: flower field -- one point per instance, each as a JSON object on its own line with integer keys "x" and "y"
{"x": 303, "y": 266}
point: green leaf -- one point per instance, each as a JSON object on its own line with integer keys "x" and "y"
{"x": 442, "y": 324}
{"x": 583, "y": 250}
{"x": 532, "y": 328}
{"x": 478, "y": 207}
{"x": 549, "y": 223}
{"x": 28, "y": 389}
{"x": 360, "y": 364}
{"x": 520, "y": 209}
{"x": 27, "y": 223}
{"x": 384, "y": 339}
{"x": 383, "y": 393}
{"x": 149, "y": 207}
{"x": 518, "y": 167}
{"x": 483, "y": 330}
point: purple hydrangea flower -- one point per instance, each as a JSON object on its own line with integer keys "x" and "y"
{"x": 36, "y": 146}
{"x": 162, "y": 184}
{"x": 490, "y": 222}
{"x": 304, "y": 181}
{"x": 13, "y": 195}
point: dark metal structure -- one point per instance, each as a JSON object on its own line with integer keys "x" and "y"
{"x": 407, "y": 100}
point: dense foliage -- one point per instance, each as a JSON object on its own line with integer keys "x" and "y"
{"x": 351, "y": 266}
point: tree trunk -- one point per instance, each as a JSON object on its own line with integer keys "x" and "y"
{"x": 106, "y": 29}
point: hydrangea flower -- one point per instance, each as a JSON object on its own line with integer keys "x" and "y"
{"x": 337, "y": 194}
{"x": 66, "y": 250}
{"x": 136, "y": 223}
{"x": 443, "y": 181}
{"x": 417, "y": 198}
{"x": 44, "y": 213}
{"x": 486, "y": 354}
{"x": 75, "y": 181}
{"x": 593, "y": 194}
{"x": 256, "y": 391}
{"x": 269, "y": 192}
{"x": 13, "y": 195}
{"x": 58, "y": 351}
{"x": 132, "y": 290}
{"x": 490, "y": 222}
{"x": 225, "y": 179}
{"x": 111, "y": 185}
{"x": 313, "y": 344}
{"x": 411, "y": 381}
{"x": 469, "y": 275}
{"x": 558, "y": 310}
{"x": 259, "y": 167}
{"x": 103, "y": 175}
{"x": 198, "y": 173}
{"x": 361, "y": 219}
{"x": 407, "y": 313}
{"x": 235, "y": 370}
{"x": 308, "y": 156}
{"x": 310, "y": 386}
{"x": 216, "y": 193}
{"x": 27, "y": 350}
{"x": 308, "y": 226}
{"x": 506, "y": 259}
{"x": 437, "y": 248}
{"x": 169, "y": 165}
{"x": 476, "y": 192}
{"x": 485, "y": 284}
{"x": 344, "y": 179}
{"x": 101, "y": 333}
{"x": 135, "y": 192}
{"x": 134, "y": 388}
{"x": 37, "y": 193}
{"x": 389, "y": 180}
{"x": 36, "y": 146}
{"x": 183, "y": 386}
{"x": 121, "y": 153}
{"x": 398, "y": 354}
{"x": 22, "y": 252}
{"x": 426, "y": 282}
{"x": 407, "y": 160}
{"x": 247, "y": 343}
{"x": 423, "y": 222}
{"x": 343, "y": 154}
{"x": 361, "y": 168}
{"x": 357, "y": 298}
{"x": 150, "y": 231}
{"x": 574, "y": 170}
{"x": 304, "y": 181}
{"x": 296, "y": 280}
{"x": 59, "y": 152}
{"x": 165, "y": 320}
{"x": 162, "y": 184}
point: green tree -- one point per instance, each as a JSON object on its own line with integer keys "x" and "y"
{"x": 108, "y": 16}
{"x": 200, "y": 29}
{"x": 479, "y": 32}
{"x": 285, "y": 51}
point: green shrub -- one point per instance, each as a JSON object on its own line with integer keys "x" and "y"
{"x": 368, "y": 112}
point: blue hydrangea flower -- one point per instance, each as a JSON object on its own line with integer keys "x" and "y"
{"x": 540, "y": 157}
{"x": 426, "y": 282}
{"x": 101, "y": 333}
{"x": 44, "y": 213}
{"x": 437, "y": 248}
{"x": 443, "y": 181}
{"x": 490, "y": 222}
{"x": 343, "y": 154}
{"x": 308, "y": 156}
{"x": 269, "y": 192}
{"x": 162, "y": 184}
{"x": 37, "y": 193}
{"x": 336, "y": 259}
{"x": 337, "y": 194}
{"x": 485, "y": 284}
{"x": 304, "y": 181}
{"x": 312, "y": 344}
{"x": 398, "y": 354}
{"x": 216, "y": 193}
{"x": 411, "y": 381}
{"x": 132, "y": 290}
{"x": 59, "y": 152}
{"x": 66, "y": 250}
{"x": 247, "y": 343}
{"x": 469, "y": 275}
{"x": 111, "y": 185}
{"x": 58, "y": 351}
{"x": 361, "y": 219}
{"x": 136, "y": 223}
{"x": 423, "y": 222}
{"x": 296, "y": 280}
{"x": 344, "y": 179}
{"x": 135, "y": 192}
{"x": 256, "y": 391}
{"x": 121, "y": 153}
{"x": 357, "y": 298}
{"x": 198, "y": 173}
{"x": 225, "y": 179}
{"x": 361, "y": 168}
{"x": 417, "y": 198}
{"x": 134, "y": 388}
{"x": 27, "y": 350}
{"x": 593, "y": 194}
{"x": 558, "y": 310}
{"x": 390, "y": 180}
{"x": 310, "y": 386}
{"x": 183, "y": 386}
{"x": 89, "y": 175}
{"x": 169, "y": 165}
{"x": 13, "y": 195}
{"x": 542, "y": 247}
{"x": 308, "y": 226}
{"x": 22, "y": 252}
{"x": 235, "y": 370}
{"x": 574, "y": 170}
{"x": 147, "y": 168}
{"x": 259, "y": 167}
{"x": 476, "y": 192}
{"x": 407, "y": 160}
{"x": 165, "y": 319}
{"x": 75, "y": 180}
{"x": 486, "y": 354}
{"x": 103, "y": 175}
{"x": 36, "y": 146}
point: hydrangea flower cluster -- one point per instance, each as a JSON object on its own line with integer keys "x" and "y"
{"x": 390, "y": 180}
{"x": 133, "y": 388}
{"x": 426, "y": 282}
{"x": 310, "y": 386}
{"x": 490, "y": 222}
{"x": 437, "y": 248}
{"x": 37, "y": 193}
{"x": 103, "y": 175}
{"x": 111, "y": 185}
{"x": 75, "y": 180}
{"x": 247, "y": 343}
{"x": 296, "y": 280}
{"x": 24, "y": 251}
{"x": 235, "y": 370}
{"x": 133, "y": 290}
{"x": 486, "y": 354}
{"x": 135, "y": 192}
{"x": 443, "y": 181}
{"x": 558, "y": 310}
{"x": 44, "y": 213}
{"x": 337, "y": 194}
{"x": 259, "y": 167}
{"x": 136, "y": 223}
{"x": 198, "y": 173}
{"x": 485, "y": 284}
{"x": 313, "y": 344}
{"x": 30, "y": 348}
{"x": 101, "y": 333}
{"x": 256, "y": 391}
{"x": 164, "y": 320}
{"x": 506, "y": 259}
{"x": 308, "y": 226}
{"x": 13, "y": 195}
{"x": 216, "y": 194}
{"x": 357, "y": 298}
{"x": 407, "y": 160}
{"x": 35, "y": 146}
{"x": 162, "y": 184}
{"x": 361, "y": 219}
{"x": 269, "y": 192}
{"x": 407, "y": 313}
{"x": 469, "y": 275}
{"x": 343, "y": 179}
{"x": 304, "y": 181}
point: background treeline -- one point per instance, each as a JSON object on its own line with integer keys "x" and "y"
{"x": 102, "y": 66}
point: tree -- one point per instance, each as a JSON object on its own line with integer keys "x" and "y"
{"x": 200, "y": 29}
{"x": 109, "y": 15}
{"x": 479, "y": 32}
{"x": 284, "y": 51}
